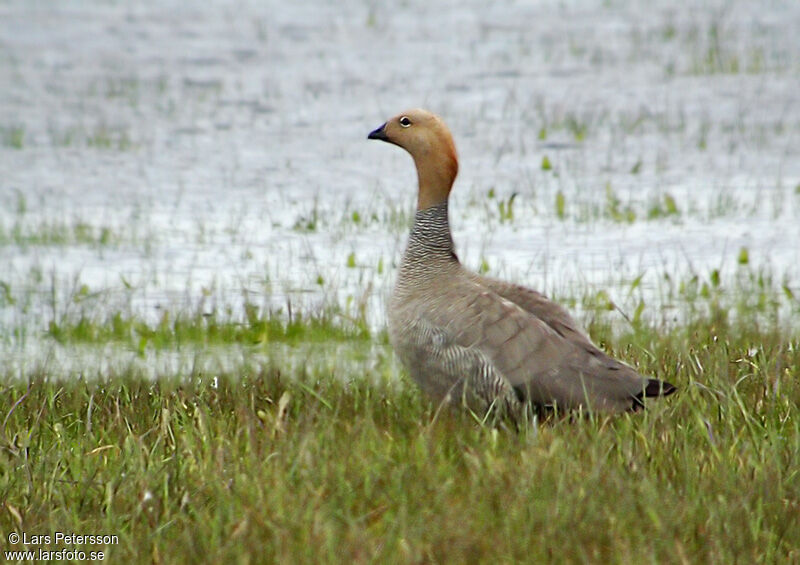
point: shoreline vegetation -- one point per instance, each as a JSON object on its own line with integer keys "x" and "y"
{"x": 295, "y": 461}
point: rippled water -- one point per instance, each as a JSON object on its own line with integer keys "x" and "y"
{"x": 174, "y": 156}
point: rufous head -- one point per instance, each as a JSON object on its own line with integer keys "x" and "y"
{"x": 425, "y": 136}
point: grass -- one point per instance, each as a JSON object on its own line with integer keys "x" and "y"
{"x": 260, "y": 465}
{"x": 57, "y": 233}
{"x": 204, "y": 329}
{"x": 13, "y": 136}
{"x": 663, "y": 208}
{"x": 103, "y": 137}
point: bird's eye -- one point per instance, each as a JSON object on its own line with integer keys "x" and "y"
{"x": 405, "y": 122}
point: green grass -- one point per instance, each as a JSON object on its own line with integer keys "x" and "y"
{"x": 203, "y": 329}
{"x": 663, "y": 208}
{"x": 56, "y": 233}
{"x": 104, "y": 137}
{"x": 13, "y": 137}
{"x": 261, "y": 465}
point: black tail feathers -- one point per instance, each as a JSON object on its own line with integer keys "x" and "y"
{"x": 654, "y": 387}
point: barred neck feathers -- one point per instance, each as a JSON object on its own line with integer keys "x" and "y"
{"x": 430, "y": 235}
{"x": 429, "y": 254}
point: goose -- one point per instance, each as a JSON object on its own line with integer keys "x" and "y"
{"x": 489, "y": 344}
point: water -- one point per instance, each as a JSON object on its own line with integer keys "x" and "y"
{"x": 222, "y": 147}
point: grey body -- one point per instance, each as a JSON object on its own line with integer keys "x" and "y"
{"x": 487, "y": 343}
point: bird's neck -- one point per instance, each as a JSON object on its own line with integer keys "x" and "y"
{"x": 436, "y": 174}
{"x": 430, "y": 236}
{"x": 429, "y": 254}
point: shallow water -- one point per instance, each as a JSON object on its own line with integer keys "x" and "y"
{"x": 222, "y": 147}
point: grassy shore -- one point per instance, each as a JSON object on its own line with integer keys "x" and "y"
{"x": 265, "y": 465}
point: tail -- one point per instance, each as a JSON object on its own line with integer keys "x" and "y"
{"x": 654, "y": 387}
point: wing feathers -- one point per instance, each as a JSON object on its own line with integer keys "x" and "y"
{"x": 547, "y": 365}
